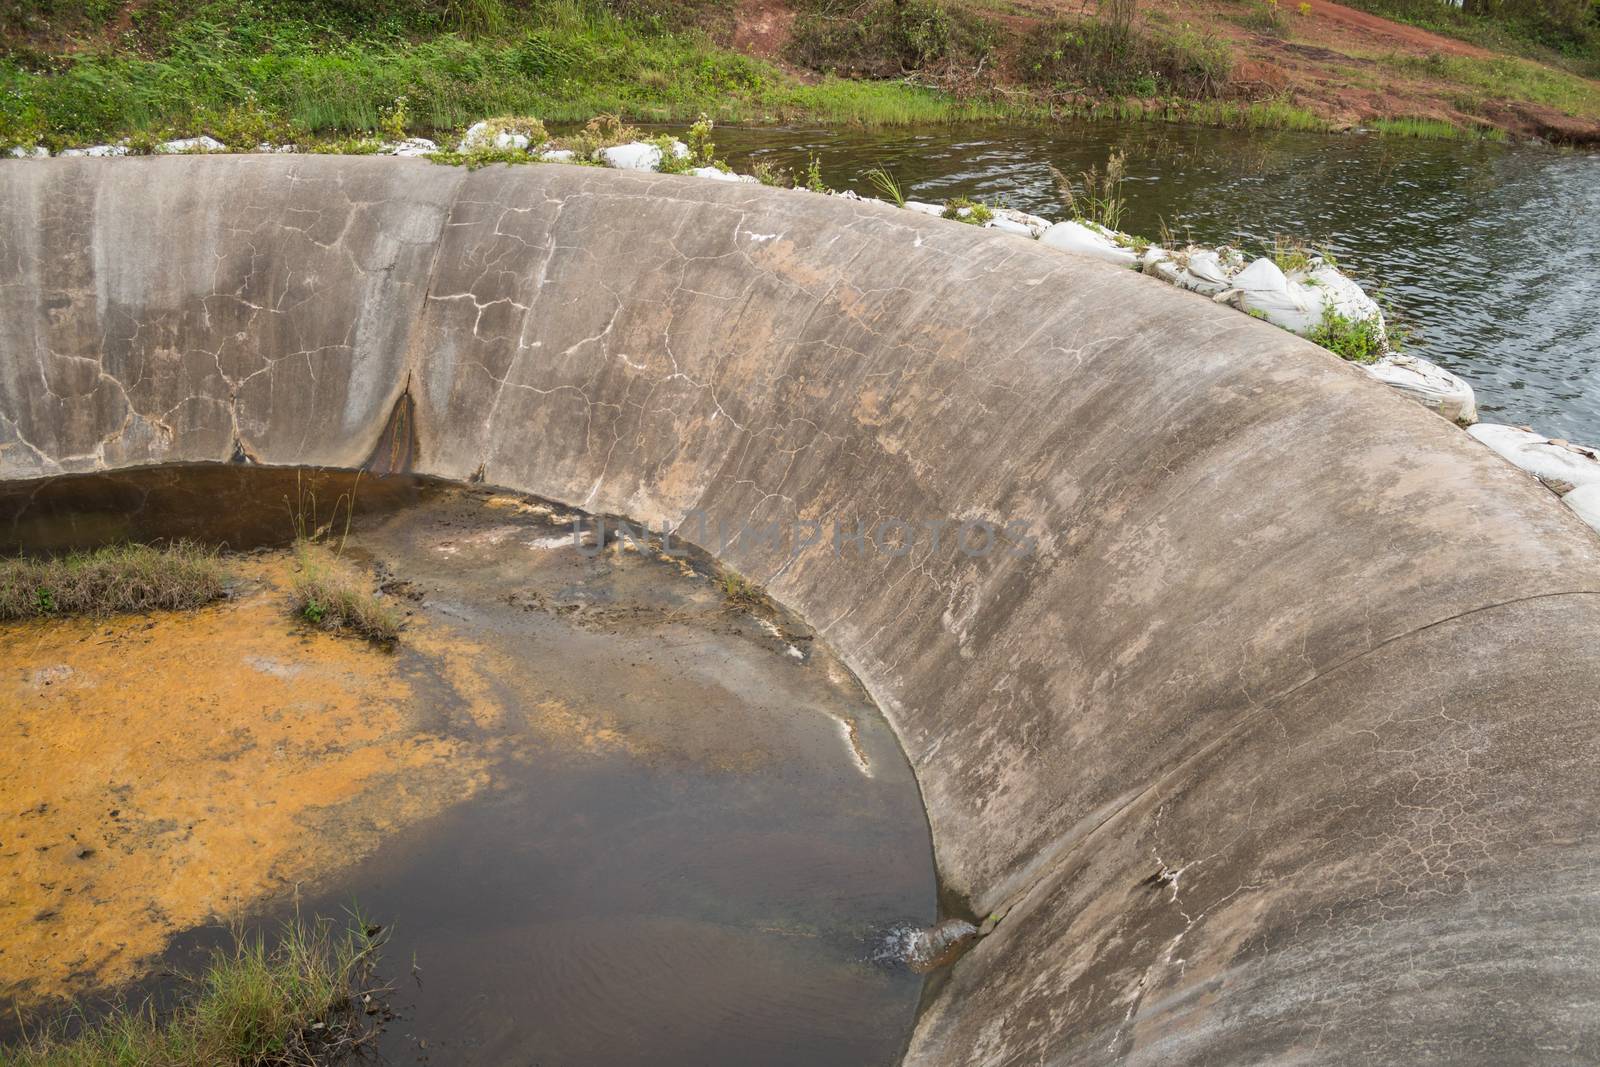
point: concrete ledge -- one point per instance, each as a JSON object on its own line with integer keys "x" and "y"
{"x": 1280, "y": 745}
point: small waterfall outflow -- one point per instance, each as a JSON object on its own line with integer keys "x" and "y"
{"x": 928, "y": 948}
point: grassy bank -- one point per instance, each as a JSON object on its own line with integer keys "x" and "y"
{"x": 308, "y": 998}
{"x": 74, "y": 73}
{"x": 251, "y": 71}
{"x": 122, "y": 578}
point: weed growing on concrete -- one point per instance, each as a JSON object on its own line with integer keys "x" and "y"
{"x": 106, "y": 581}
{"x": 887, "y": 186}
{"x": 971, "y": 212}
{"x": 600, "y": 132}
{"x": 474, "y": 158}
{"x": 702, "y": 150}
{"x": 310, "y": 998}
{"x": 768, "y": 173}
{"x": 814, "y": 181}
{"x": 1099, "y": 200}
{"x": 740, "y": 592}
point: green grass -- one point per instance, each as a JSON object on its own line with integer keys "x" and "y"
{"x": 1504, "y": 78}
{"x": 1577, "y": 48}
{"x": 309, "y": 998}
{"x": 1358, "y": 340}
{"x": 248, "y": 72}
{"x": 1434, "y": 129}
{"x": 338, "y": 75}
{"x": 106, "y": 581}
{"x": 971, "y": 212}
{"x": 740, "y": 592}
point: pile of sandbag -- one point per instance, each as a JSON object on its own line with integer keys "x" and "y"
{"x": 1570, "y": 471}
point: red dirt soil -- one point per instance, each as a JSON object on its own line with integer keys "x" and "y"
{"x": 1327, "y": 60}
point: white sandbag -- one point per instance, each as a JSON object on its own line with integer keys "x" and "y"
{"x": 98, "y": 151}
{"x": 269, "y": 147}
{"x": 1087, "y": 239}
{"x": 1200, "y": 270}
{"x": 714, "y": 174}
{"x": 636, "y": 155}
{"x": 410, "y": 148}
{"x": 1553, "y": 460}
{"x": 36, "y": 152}
{"x": 480, "y": 135}
{"x": 1297, "y": 303}
{"x": 1009, "y": 226}
{"x": 557, "y": 155}
{"x": 639, "y": 155}
{"x": 192, "y": 144}
{"x": 1585, "y": 500}
{"x": 923, "y": 209}
{"x": 1429, "y": 383}
{"x": 1010, "y": 220}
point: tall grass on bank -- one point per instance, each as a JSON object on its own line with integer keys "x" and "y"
{"x": 249, "y": 71}
{"x": 1434, "y": 130}
{"x": 307, "y": 999}
{"x": 106, "y": 581}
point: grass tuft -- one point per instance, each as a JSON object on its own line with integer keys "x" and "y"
{"x": 309, "y": 999}
{"x": 964, "y": 209}
{"x": 1099, "y": 198}
{"x": 740, "y": 592}
{"x": 107, "y": 581}
{"x": 328, "y": 594}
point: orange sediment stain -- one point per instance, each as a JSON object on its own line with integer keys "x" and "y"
{"x": 157, "y": 772}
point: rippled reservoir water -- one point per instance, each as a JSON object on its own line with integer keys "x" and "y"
{"x": 1490, "y": 253}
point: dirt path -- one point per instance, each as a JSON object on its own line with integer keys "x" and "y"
{"x": 1364, "y": 30}
{"x": 762, "y": 27}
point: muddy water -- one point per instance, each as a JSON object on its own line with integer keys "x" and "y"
{"x": 1491, "y": 253}
{"x": 654, "y": 827}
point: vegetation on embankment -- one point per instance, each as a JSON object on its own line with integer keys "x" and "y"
{"x": 308, "y": 998}
{"x": 76, "y": 72}
{"x": 281, "y": 71}
{"x": 108, "y": 581}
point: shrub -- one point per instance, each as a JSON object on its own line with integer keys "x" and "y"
{"x": 886, "y": 38}
{"x": 602, "y": 131}
{"x": 1101, "y": 56}
{"x": 1358, "y": 340}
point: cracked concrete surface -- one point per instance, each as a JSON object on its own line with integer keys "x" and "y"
{"x": 1280, "y": 745}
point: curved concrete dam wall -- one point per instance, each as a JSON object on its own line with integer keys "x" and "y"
{"x": 1277, "y": 741}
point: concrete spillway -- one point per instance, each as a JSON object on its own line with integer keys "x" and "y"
{"x": 1278, "y": 742}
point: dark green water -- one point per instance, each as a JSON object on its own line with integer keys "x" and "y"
{"x": 1491, "y": 254}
